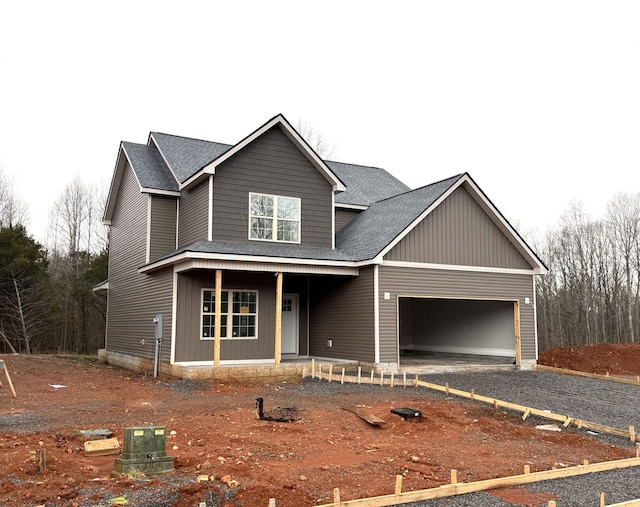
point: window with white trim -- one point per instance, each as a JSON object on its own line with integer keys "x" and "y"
{"x": 238, "y": 314}
{"x": 274, "y": 218}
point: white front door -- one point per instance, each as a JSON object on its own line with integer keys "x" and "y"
{"x": 289, "y": 324}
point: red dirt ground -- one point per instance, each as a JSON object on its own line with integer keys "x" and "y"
{"x": 298, "y": 464}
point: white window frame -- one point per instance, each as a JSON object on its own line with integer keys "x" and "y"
{"x": 230, "y": 314}
{"x": 274, "y": 218}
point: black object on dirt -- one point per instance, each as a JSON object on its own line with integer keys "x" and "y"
{"x": 408, "y": 414}
{"x": 285, "y": 413}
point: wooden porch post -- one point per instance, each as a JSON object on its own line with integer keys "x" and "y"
{"x": 278, "y": 333}
{"x": 516, "y": 322}
{"x": 217, "y": 319}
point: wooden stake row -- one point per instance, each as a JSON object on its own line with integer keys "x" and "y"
{"x": 562, "y": 371}
{"x": 566, "y": 420}
{"x": 459, "y": 488}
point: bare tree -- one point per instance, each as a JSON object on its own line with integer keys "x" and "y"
{"x": 13, "y": 210}
{"x": 315, "y": 139}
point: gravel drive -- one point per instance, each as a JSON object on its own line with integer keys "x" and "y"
{"x": 605, "y": 402}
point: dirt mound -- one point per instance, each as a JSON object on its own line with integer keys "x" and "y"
{"x": 213, "y": 433}
{"x": 602, "y": 358}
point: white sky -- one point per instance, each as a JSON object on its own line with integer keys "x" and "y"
{"x": 538, "y": 101}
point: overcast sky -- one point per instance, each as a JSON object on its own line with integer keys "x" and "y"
{"x": 538, "y": 101}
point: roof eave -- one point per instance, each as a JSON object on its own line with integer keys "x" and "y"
{"x": 291, "y": 133}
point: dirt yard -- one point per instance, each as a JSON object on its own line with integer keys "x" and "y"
{"x": 213, "y": 431}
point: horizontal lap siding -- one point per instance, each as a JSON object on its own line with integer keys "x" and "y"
{"x": 459, "y": 232}
{"x": 344, "y": 216}
{"x": 342, "y": 311}
{"x": 271, "y": 164}
{"x": 452, "y": 284}
{"x": 189, "y": 346}
{"x": 194, "y": 214}
{"x": 134, "y": 299}
{"x": 163, "y": 226}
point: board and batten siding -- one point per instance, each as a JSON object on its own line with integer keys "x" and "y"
{"x": 162, "y": 230}
{"x": 344, "y": 216}
{"x": 342, "y": 311}
{"x": 273, "y": 165}
{"x": 189, "y": 345}
{"x": 458, "y": 232}
{"x": 134, "y": 299}
{"x": 194, "y": 214}
{"x": 418, "y": 282}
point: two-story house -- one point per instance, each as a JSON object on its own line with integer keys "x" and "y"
{"x": 261, "y": 251}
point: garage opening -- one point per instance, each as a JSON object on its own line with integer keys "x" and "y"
{"x": 457, "y": 330}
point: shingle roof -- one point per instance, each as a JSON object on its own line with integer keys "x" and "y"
{"x": 365, "y": 185}
{"x": 369, "y": 233}
{"x": 264, "y": 249}
{"x": 187, "y": 156}
{"x": 149, "y": 167}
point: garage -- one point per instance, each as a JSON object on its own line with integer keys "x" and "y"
{"x": 470, "y": 330}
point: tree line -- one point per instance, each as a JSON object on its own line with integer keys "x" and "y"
{"x": 592, "y": 292}
{"x": 46, "y": 299}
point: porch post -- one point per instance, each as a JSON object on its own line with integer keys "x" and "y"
{"x": 278, "y": 333}
{"x": 217, "y": 319}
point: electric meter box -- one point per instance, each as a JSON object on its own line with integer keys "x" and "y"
{"x": 144, "y": 450}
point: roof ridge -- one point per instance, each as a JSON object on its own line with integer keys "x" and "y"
{"x": 187, "y": 137}
{"x": 455, "y": 177}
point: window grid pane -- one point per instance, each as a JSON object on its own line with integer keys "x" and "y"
{"x": 242, "y": 321}
{"x": 274, "y": 218}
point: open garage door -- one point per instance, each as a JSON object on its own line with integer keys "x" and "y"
{"x": 470, "y": 329}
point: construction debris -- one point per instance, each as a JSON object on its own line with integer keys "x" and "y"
{"x": 285, "y": 413}
{"x": 366, "y": 416}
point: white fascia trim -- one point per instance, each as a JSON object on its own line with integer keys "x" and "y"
{"x": 264, "y": 267}
{"x": 351, "y": 206}
{"x": 172, "y": 193}
{"x": 243, "y": 258}
{"x": 210, "y": 210}
{"x": 177, "y": 222}
{"x": 333, "y": 221}
{"x": 291, "y": 133}
{"x": 540, "y": 269}
{"x": 376, "y": 314}
{"x": 116, "y": 180}
{"x": 420, "y": 218}
{"x": 148, "y": 247}
{"x": 456, "y": 267}
{"x": 174, "y": 310}
{"x": 507, "y": 225}
{"x": 155, "y": 143}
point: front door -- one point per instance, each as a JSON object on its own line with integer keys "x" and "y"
{"x": 289, "y": 324}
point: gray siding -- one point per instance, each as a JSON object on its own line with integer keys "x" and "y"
{"x": 194, "y": 214}
{"x": 344, "y": 216}
{"x": 458, "y": 232}
{"x": 163, "y": 226}
{"x": 272, "y": 164}
{"x": 189, "y": 346}
{"x": 134, "y": 298}
{"x": 452, "y": 284}
{"x": 342, "y": 311}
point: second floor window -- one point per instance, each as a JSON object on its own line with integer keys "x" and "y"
{"x": 274, "y": 218}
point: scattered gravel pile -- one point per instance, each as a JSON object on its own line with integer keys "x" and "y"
{"x": 24, "y": 422}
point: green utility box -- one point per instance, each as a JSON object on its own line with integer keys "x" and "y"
{"x": 144, "y": 450}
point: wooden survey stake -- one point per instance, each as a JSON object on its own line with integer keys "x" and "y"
{"x": 3, "y": 366}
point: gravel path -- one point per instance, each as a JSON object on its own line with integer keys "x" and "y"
{"x": 605, "y": 402}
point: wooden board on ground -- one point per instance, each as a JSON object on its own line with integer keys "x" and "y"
{"x": 366, "y": 416}
{"x": 103, "y": 447}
